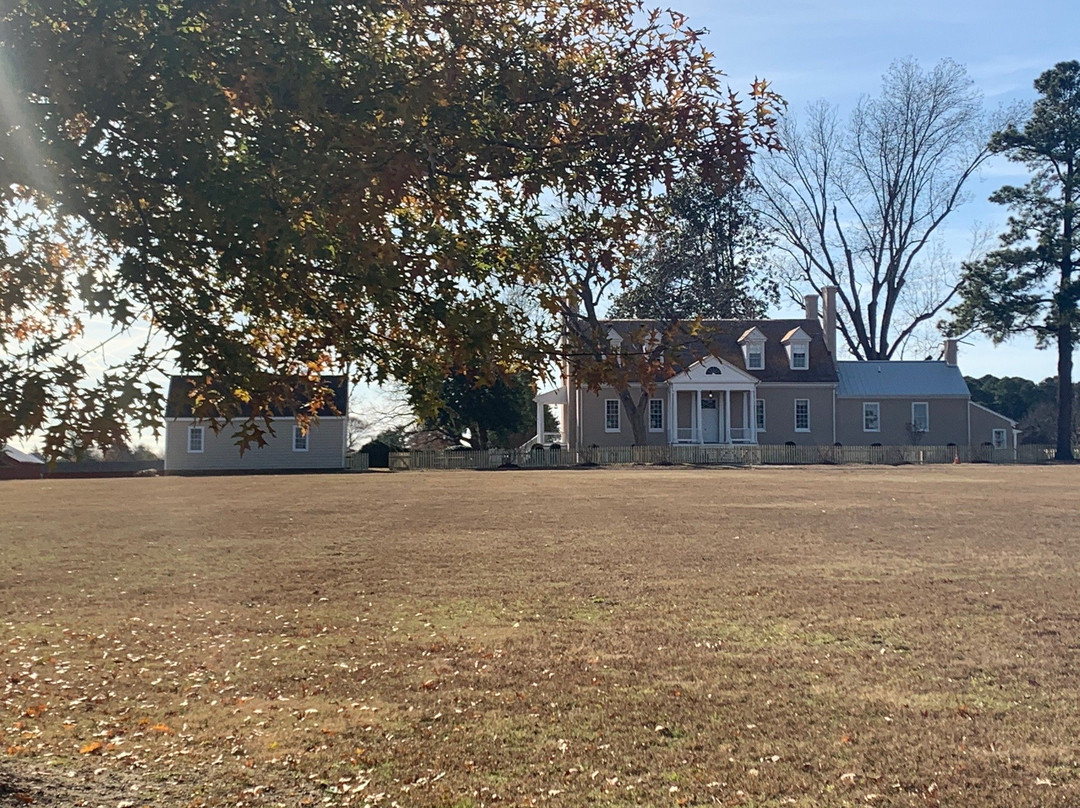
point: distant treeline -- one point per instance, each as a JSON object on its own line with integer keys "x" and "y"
{"x": 1032, "y": 404}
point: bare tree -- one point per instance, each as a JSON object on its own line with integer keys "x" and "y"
{"x": 860, "y": 205}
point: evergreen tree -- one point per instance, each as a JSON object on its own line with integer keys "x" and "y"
{"x": 1028, "y": 284}
{"x": 702, "y": 259}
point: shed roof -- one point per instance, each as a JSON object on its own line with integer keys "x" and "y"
{"x": 900, "y": 379}
{"x": 178, "y": 404}
{"x": 16, "y": 456}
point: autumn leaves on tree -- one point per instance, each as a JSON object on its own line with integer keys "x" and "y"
{"x": 282, "y": 188}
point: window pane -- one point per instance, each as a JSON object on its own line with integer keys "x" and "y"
{"x": 759, "y": 408}
{"x": 871, "y": 417}
{"x": 802, "y": 414}
{"x": 611, "y": 414}
{"x": 300, "y": 439}
{"x": 755, "y": 358}
{"x": 798, "y": 356}
{"x": 920, "y": 416}
{"x": 656, "y": 414}
{"x": 195, "y": 439}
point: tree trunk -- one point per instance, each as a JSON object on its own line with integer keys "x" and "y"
{"x": 1066, "y": 313}
{"x": 1065, "y": 393}
{"x": 636, "y": 410}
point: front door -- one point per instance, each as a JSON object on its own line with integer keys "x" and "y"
{"x": 710, "y": 420}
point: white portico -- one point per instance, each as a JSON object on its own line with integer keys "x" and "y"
{"x": 712, "y": 402}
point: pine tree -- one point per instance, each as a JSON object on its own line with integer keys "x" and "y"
{"x": 1027, "y": 285}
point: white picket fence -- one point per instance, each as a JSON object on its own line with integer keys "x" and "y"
{"x": 727, "y": 455}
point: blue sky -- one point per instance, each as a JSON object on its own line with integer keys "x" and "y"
{"x": 839, "y": 50}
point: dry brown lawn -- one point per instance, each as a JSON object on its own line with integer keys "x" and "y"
{"x": 765, "y": 637}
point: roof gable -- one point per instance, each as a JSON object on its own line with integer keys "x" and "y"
{"x": 713, "y": 370}
{"x": 752, "y": 335}
{"x": 795, "y": 335}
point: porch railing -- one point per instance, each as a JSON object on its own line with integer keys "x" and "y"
{"x": 687, "y": 435}
{"x": 741, "y": 434}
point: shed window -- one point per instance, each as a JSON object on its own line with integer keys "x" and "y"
{"x": 299, "y": 439}
{"x": 195, "y": 439}
{"x": 999, "y": 439}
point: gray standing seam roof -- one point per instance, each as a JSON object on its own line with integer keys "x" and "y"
{"x": 900, "y": 379}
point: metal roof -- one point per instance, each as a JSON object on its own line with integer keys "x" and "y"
{"x": 20, "y": 457}
{"x": 899, "y": 379}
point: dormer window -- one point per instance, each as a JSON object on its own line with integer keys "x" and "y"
{"x": 615, "y": 340}
{"x": 797, "y": 344}
{"x": 753, "y": 345}
{"x": 755, "y": 356}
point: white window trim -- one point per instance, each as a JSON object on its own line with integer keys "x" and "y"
{"x": 805, "y": 346}
{"x": 797, "y": 427}
{"x": 749, "y": 349}
{"x": 659, "y": 401}
{"x": 618, "y": 415}
{"x": 298, "y": 432}
{"x": 759, "y": 410}
{"x": 877, "y": 406}
{"x": 915, "y": 404}
{"x": 1004, "y": 438}
{"x": 202, "y": 439}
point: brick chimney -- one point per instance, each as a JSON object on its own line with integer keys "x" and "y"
{"x": 810, "y": 301}
{"x": 828, "y": 318}
{"x": 951, "y": 346}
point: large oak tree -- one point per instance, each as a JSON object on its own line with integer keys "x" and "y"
{"x": 291, "y": 186}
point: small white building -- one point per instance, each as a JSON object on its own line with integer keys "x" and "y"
{"x": 192, "y": 446}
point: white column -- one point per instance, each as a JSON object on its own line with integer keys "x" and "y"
{"x": 753, "y": 415}
{"x": 746, "y": 414}
{"x": 727, "y": 416}
{"x": 539, "y": 422}
{"x": 672, "y": 416}
{"x": 695, "y": 421}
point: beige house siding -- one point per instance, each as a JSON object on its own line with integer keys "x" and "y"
{"x": 948, "y": 421}
{"x": 592, "y": 420}
{"x": 983, "y": 424}
{"x": 326, "y": 444}
{"x": 780, "y": 414}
